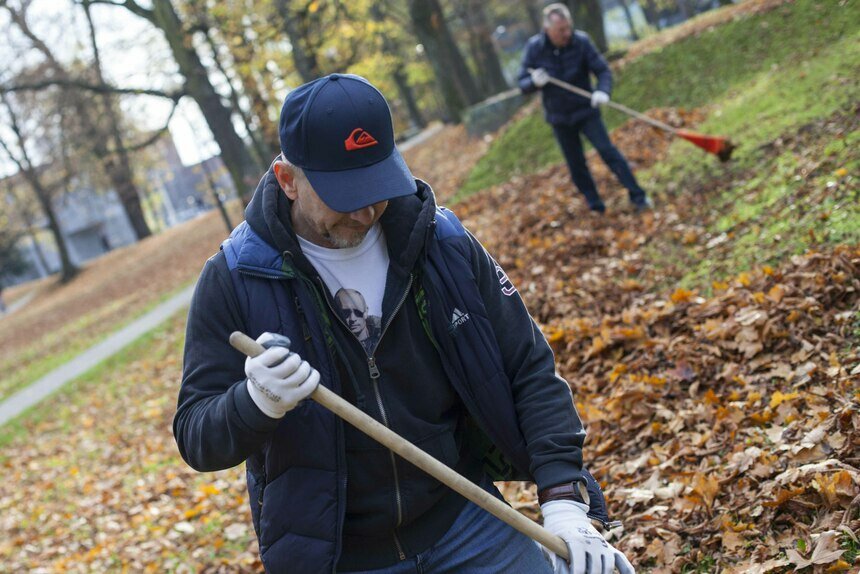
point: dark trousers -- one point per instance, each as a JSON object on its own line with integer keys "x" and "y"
{"x": 571, "y": 145}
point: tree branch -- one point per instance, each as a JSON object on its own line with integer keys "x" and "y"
{"x": 83, "y": 85}
{"x": 131, "y": 6}
{"x": 157, "y": 135}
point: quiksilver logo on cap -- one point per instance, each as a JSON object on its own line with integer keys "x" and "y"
{"x": 359, "y": 139}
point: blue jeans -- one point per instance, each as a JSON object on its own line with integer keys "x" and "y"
{"x": 571, "y": 145}
{"x": 477, "y": 543}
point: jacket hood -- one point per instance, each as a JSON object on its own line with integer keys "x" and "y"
{"x": 407, "y": 223}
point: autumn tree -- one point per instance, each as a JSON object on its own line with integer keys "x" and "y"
{"x": 479, "y": 31}
{"x": 588, "y": 16}
{"x": 456, "y": 83}
{"x": 98, "y": 120}
{"x": 234, "y": 152}
{"x": 18, "y": 149}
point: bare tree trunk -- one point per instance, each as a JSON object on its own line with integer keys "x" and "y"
{"x": 234, "y": 152}
{"x": 119, "y": 170}
{"x": 28, "y": 229}
{"x": 408, "y": 97}
{"x": 389, "y": 46}
{"x": 534, "y": 15}
{"x": 588, "y": 16}
{"x": 243, "y": 53}
{"x": 455, "y": 81}
{"x": 304, "y": 59}
{"x": 259, "y": 149}
{"x": 216, "y": 196}
{"x": 629, "y": 17}
{"x": 28, "y": 171}
{"x": 652, "y": 14}
{"x": 490, "y": 75}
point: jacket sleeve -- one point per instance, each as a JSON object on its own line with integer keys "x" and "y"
{"x": 548, "y": 420}
{"x": 217, "y": 425}
{"x": 529, "y": 61}
{"x": 597, "y": 65}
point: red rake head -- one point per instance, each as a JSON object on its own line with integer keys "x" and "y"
{"x": 720, "y": 147}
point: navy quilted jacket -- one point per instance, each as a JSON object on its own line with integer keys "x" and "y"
{"x": 573, "y": 64}
{"x": 494, "y": 357}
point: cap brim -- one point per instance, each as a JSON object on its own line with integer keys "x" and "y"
{"x": 353, "y": 189}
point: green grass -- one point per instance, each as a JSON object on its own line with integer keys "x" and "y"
{"x": 31, "y": 363}
{"x": 720, "y": 64}
{"x": 773, "y": 200}
{"x": 79, "y": 391}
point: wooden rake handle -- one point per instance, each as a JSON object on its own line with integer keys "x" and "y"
{"x": 611, "y": 104}
{"x": 385, "y": 436}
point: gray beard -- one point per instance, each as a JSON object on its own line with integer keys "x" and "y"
{"x": 346, "y": 242}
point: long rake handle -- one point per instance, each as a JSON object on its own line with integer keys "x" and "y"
{"x": 419, "y": 458}
{"x": 611, "y": 104}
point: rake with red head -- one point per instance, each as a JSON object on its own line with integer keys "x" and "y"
{"x": 719, "y": 146}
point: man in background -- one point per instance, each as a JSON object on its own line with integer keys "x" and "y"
{"x": 562, "y": 53}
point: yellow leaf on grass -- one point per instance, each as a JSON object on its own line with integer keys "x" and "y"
{"x": 841, "y": 172}
{"x": 719, "y": 286}
{"x": 767, "y": 270}
{"x": 711, "y": 397}
{"x": 758, "y": 297}
{"x": 209, "y": 490}
{"x": 776, "y": 293}
{"x": 838, "y": 566}
{"x": 555, "y": 335}
{"x": 707, "y": 487}
{"x": 762, "y": 418}
{"x": 784, "y": 495}
{"x": 778, "y": 398}
{"x": 192, "y": 512}
{"x": 744, "y": 279}
{"x": 617, "y": 371}
{"x": 681, "y": 295}
{"x": 835, "y": 486}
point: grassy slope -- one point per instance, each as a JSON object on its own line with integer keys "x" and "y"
{"x": 702, "y": 69}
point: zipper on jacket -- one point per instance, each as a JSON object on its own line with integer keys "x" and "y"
{"x": 374, "y": 377}
{"x": 400, "y": 553}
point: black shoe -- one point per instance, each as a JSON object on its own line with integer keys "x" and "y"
{"x": 643, "y": 206}
{"x": 597, "y": 209}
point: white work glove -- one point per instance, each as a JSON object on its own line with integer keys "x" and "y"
{"x": 599, "y": 98}
{"x": 278, "y": 379}
{"x": 589, "y": 552}
{"x": 539, "y": 77}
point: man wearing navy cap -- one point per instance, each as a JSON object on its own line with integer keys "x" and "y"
{"x": 388, "y": 301}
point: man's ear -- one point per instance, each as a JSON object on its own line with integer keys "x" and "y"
{"x": 286, "y": 179}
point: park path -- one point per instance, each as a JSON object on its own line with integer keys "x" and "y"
{"x": 114, "y": 343}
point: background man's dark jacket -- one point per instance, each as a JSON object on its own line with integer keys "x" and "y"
{"x": 323, "y": 495}
{"x": 573, "y": 64}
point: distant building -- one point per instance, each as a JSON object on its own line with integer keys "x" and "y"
{"x": 186, "y": 191}
{"x": 94, "y": 222}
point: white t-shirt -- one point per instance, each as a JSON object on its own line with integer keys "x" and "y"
{"x": 355, "y": 276}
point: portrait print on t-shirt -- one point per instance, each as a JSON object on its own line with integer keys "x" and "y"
{"x": 353, "y": 310}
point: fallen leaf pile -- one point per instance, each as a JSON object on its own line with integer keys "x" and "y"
{"x": 723, "y": 422}
{"x": 724, "y": 425}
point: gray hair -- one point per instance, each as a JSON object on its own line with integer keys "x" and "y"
{"x": 556, "y": 9}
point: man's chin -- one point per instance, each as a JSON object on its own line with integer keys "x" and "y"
{"x": 348, "y": 240}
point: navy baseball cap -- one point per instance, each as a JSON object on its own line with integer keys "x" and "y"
{"x": 338, "y": 129}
